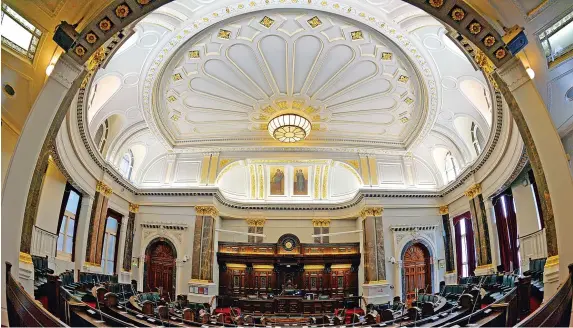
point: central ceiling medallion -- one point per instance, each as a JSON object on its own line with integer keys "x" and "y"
{"x": 289, "y": 128}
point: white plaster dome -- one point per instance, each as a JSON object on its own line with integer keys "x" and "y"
{"x": 231, "y": 79}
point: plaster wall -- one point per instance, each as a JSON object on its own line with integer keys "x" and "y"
{"x": 302, "y": 228}
{"x": 567, "y": 144}
{"x": 181, "y": 216}
{"x": 51, "y": 197}
{"x": 525, "y": 209}
{"x": 9, "y": 140}
{"x": 411, "y": 216}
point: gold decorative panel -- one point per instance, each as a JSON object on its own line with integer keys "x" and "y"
{"x": 314, "y": 22}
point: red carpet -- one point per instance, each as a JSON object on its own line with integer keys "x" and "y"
{"x": 534, "y": 303}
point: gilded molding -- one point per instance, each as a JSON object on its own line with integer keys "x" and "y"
{"x": 551, "y": 261}
{"x": 200, "y": 281}
{"x": 377, "y": 282}
{"x": 25, "y": 258}
{"x": 255, "y": 222}
{"x": 473, "y": 191}
{"x": 261, "y": 182}
{"x": 104, "y": 189}
{"x": 444, "y": 210}
{"x": 91, "y": 264}
{"x": 253, "y": 181}
{"x": 206, "y": 210}
{"x": 321, "y": 222}
{"x": 317, "y": 182}
{"x": 485, "y": 266}
{"x": 134, "y": 208}
{"x": 324, "y": 181}
{"x": 371, "y": 211}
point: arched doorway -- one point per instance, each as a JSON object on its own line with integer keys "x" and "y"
{"x": 417, "y": 271}
{"x": 160, "y": 269}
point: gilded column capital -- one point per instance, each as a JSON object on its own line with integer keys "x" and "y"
{"x": 208, "y": 210}
{"x": 371, "y": 211}
{"x": 321, "y": 222}
{"x": 104, "y": 189}
{"x": 473, "y": 191}
{"x": 444, "y": 210}
{"x": 25, "y": 258}
{"x": 134, "y": 208}
{"x": 256, "y": 222}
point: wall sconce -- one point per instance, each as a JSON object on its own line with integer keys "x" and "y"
{"x": 530, "y": 72}
{"x": 392, "y": 260}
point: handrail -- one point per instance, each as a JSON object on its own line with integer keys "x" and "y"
{"x": 556, "y": 311}
{"x": 23, "y": 311}
{"x": 46, "y": 231}
{"x": 530, "y": 234}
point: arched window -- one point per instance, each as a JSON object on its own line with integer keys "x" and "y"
{"x": 450, "y": 166}
{"x": 126, "y": 164}
{"x": 477, "y": 138}
{"x": 101, "y": 136}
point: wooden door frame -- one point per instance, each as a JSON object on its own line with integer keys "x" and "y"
{"x": 146, "y": 266}
{"x": 430, "y": 265}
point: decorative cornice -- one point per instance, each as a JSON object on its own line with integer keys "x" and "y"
{"x": 444, "y": 210}
{"x": 134, "y": 208}
{"x": 473, "y": 191}
{"x": 25, "y": 258}
{"x": 104, "y": 189}
{"x": 413, "y": 227}
{"x": 206, "y": 210}
{"x": 321, "y": 222}
{"x": 164, "y": 225}
{"x": 253, "y": 222}
{"x": 371, "y": 211}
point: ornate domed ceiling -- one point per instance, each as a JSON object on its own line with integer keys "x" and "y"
{"x": 352, "y": 83}
{"x": 376, "y": 78}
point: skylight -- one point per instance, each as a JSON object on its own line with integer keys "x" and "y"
{"x": 18, "y": 34}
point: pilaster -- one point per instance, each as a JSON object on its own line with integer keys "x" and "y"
{"x": 480, "y": 230}
{"x": 375, "y": 287}
{"x": 83, "y": 223}
{"x": 493, "y": 237}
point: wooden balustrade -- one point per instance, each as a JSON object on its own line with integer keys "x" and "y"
{"x": 557, "y": 311}
{"x": 23, "y": 310}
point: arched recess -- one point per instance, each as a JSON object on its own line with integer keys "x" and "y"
{"x": 478, "y": 95}
{"x": 115, "y": 123}
{"x": 101, "y": 92}
{"x": 445, "y": 161}
{"x": 430, "y": 247}
{"x": 160, "y": 261}
{"x": 464, "y": 126}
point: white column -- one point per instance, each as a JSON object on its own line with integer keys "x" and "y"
{"x": 493, "y": 237}
{"x": 83, "y": 223}
{"x": 26, "y": 154}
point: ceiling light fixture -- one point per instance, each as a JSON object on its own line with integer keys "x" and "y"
{"x": 289, "y": 128}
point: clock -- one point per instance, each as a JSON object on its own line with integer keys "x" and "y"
{"x": 289, "y": 244}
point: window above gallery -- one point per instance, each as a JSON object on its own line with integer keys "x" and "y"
{"x": 557, "y": 40}
{"x": 18, "y": 34}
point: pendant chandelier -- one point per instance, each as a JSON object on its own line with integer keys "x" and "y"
{"x": 289, "y": 128}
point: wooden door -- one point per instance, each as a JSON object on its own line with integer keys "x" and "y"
{"x": 161, "y": 269}
{"x": 417, "y": 275}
